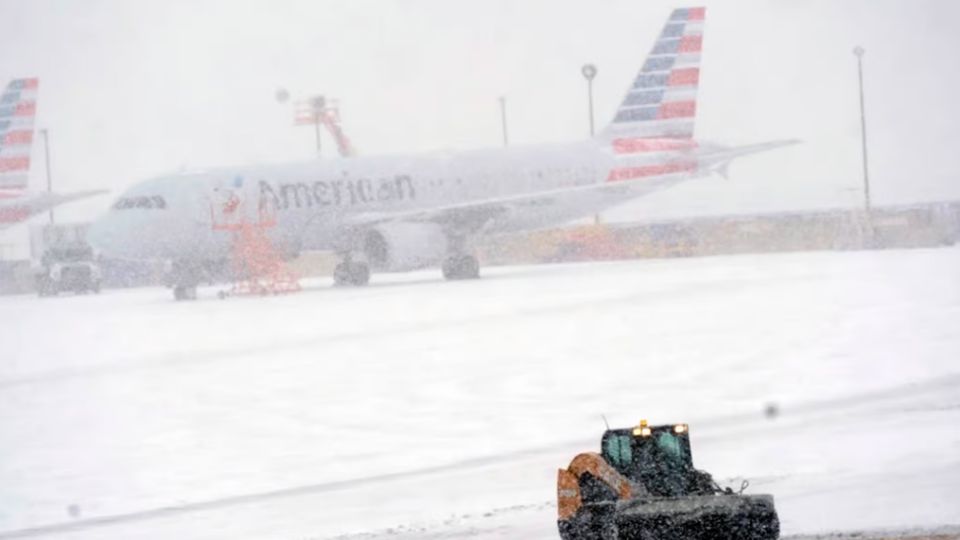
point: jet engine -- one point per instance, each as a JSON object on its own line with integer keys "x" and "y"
{"x": 397, "y": 247}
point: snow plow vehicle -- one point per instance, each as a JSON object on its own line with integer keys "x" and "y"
{"x": 643, "y": 485}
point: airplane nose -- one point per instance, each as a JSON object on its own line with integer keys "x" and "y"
{"x": 132, "y": 235}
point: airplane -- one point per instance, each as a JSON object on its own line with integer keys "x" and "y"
{"x": 18, "y": 105}
{"x": 395, "y": 213}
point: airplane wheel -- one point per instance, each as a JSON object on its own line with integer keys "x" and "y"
{"x": 361, "y": 274}
{"x": 353, "y": 274}
{"x": 184, "y": 293}
{"x": 341, "y": 274}
{"x": 461, "y": 267}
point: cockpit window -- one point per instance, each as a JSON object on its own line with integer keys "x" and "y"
{"x": 152, "y": 202}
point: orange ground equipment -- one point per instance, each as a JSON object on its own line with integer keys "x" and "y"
{"x": 257, "y": 266}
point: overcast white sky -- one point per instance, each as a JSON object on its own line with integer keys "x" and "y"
{"x": 135, "y": 88}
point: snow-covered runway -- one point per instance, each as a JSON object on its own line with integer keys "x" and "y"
{"x": 419, "y": 408}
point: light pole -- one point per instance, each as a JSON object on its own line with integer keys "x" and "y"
{"x": 503, "y": 117}
{"x": 858, "y": 51}
{"x": 46, "y": 154}
{"x": 589, "y": 71}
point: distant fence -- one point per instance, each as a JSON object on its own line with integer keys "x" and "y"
{"x": 924, "y": 225}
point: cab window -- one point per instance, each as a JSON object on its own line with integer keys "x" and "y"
{"x": 617, "y": 451}
{"x": 670, "y": 446}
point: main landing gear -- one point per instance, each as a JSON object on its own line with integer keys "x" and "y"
{"x": 183, "y": 292}
{"x": 458, "y": 267}
{"x": 351, "y": 273}
{"x": 460, "y": 264}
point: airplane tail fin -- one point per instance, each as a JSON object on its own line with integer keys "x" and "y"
{"x": 662, "y": 101}
{"x": 18, "y": 105}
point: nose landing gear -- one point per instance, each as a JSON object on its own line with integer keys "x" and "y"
{"x": 184, "y": 277}
{"x": 184, "y": 293}
{"x": 460, "y": 263}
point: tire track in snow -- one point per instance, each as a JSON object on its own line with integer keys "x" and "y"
{"x": 143, "y": 363}
{"x": 712, "y": 428}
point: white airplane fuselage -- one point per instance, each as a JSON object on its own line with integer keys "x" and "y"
{"x": 316, "y": 204}
{"x": 403, "y": 212}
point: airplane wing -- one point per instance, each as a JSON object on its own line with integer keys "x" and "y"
{"x": 18, "y": 209}
{"x": 57, "y": 199}
{"x": 528, "y": 211}
{"x": 554, "y": 207}
{"x": 42, "y": 201}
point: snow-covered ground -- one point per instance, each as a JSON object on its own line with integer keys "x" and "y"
{"x": 416, "y": 408}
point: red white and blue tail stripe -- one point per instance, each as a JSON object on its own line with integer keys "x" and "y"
{"x": 662, "y": 101}
{"x": 18, "y": 106}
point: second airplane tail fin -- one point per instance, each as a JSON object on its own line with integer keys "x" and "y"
{"x": 662, "y": 101}
{"x": 18, "y": 105}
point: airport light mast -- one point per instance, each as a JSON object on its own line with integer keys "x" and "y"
{"x": 858, "y": 52}
{"x": 589, "y": 71}
{"x": 871, "y": 240}
{"x": 46, "y": 157}
{"x": 503, "y": 117}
